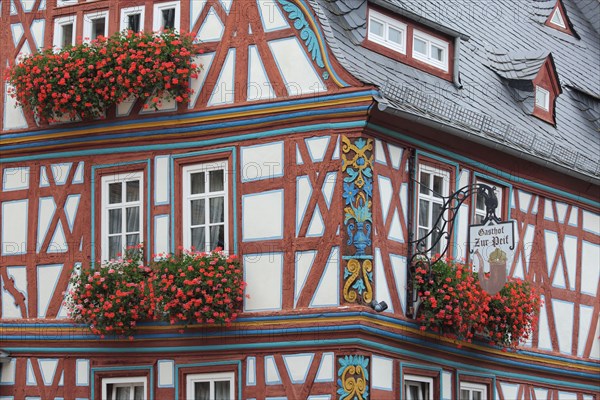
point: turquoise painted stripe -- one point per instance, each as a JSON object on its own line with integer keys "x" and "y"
{"x": 183, "y": 117}
{"x": 466, "y": 160}
{"x": 197, "y": 143}
{"x": 177, "y": 131}
{"x": 325, "y": 329}
{"x": 93, "y": 205}
{"x": 238, "y": 363}
{"x": 224, "y": 150}
{"x": 150, "y": 384}
{"x": 324, "y": 42}
{"x": 334, "y": 343}
{"x": 242, "y": 332}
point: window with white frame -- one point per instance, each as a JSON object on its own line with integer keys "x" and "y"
{"x": 62, "y": 3}
{"x": 430, "y": 50}
{"x": 480, "y": 210}
{"x": 418, "y": 387}
{"x": 126, "y": 388}
{"x": 64, "y": 31}
{"x": 205, "y": 206}
{"x": 542, "y": 98}
{"x": 472, "y": 391}
{"x": 433, "y": 186}
{"x": 557, "y": 19}
{"x": 132, "y": 19}
{"x": 216, "y": 386}
{"x": 94, "y": 25}
{"x": 166, "y": 16}
{"x": 122, "y": 213}
{"x": 387, "y": 31}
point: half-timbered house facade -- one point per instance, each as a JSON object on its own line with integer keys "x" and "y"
{"x": 305, "y": 112}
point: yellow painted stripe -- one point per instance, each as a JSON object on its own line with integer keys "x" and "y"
{"x": 180, "y": 120}
{"x": 321, "y": 46}
{"x": 155, "y": 137}
{"x": 316, "y": 320}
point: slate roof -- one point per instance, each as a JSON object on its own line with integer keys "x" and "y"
{"x": 501, "y": 41}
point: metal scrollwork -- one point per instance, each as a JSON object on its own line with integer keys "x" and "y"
{"x": 443, "y": 225}
{"x": 353, "y": 378}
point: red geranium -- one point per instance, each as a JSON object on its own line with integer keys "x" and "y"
{"x": 83, "y": 80}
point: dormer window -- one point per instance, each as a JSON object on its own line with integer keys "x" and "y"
{"x": 430, "y": 50}
{"x": 387, "y": 32}
{"x": 542, "y": 98}
{"x": 409, "y": 42}
{"x": 559, "y": 20}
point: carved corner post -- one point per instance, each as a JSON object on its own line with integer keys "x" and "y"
{"x": 357, "y": 249}
{"x": 353, "y": 377}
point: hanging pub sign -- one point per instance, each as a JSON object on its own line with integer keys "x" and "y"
{"x": 492, "y": 246}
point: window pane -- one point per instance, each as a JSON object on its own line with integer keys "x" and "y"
{"x": 138, "y": 393}
{"x": 133, "y": 191}
{"x": 97, "y": 27}
{"x": 123, "y": 393}
{"x": 424, "y": 183}
{"x": 114, "y": 221}
{"x": 420, "y": 46}
{"x": 217, "y": 208}
{"x": 114, "y": 246}
{"x": 133, "y": 240}
{"x": 133, "y": 22}
{"x": 67, "y": 35}
{"x": 198, "y": 212}
{"x": 198, "y": 239}
{"x": 168, "y": 18}
{"x": 222, "y": 390}
{"x": 437, "y": 211}
{"x": 216, "y": 180}
{"x": 217, "y": 237}
{"x": 424, "y": 213}
{"x": 437, "y": 53}
{"x": 464, "y": 394}
{"x": 480, "y": 203}
{"x": 478, "y": 219}
{"x": 477, "y": 395}
{"x": 438, "y": 185}
{"x": 114, "y": 193}
{"x": 133, "y": 219}
{"x": 376, "y": 27}
{"x": 197, "y": 182}
{"x": 202, "y": 391}
{"x": 394, "y": 35}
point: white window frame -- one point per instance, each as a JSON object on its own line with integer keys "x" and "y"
{"x": 431, "y": 41}
{"x": 558, "y": 20}
{"x": 481, "y": 212}
{"x": 542, "y": 98}
{"x": 88, "y": 21}
{"x": 187, "y": 197}
{"x": 62, "y": 3}
{"x": 159, "y": 7}
{"x": 221, "y": 376}
{"x": 471, "y": 387}
{"x": 59, "y": 23}
{"x": 420, "y": 379}
{"x": 123, "y": 382}
{"x": 429, "y": 197}
{"x": 127, "y": 11}
{"x": 387, "y": 23}
{"x": 120, "y": 178}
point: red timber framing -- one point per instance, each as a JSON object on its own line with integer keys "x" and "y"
{"x": 242, "y": 28}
